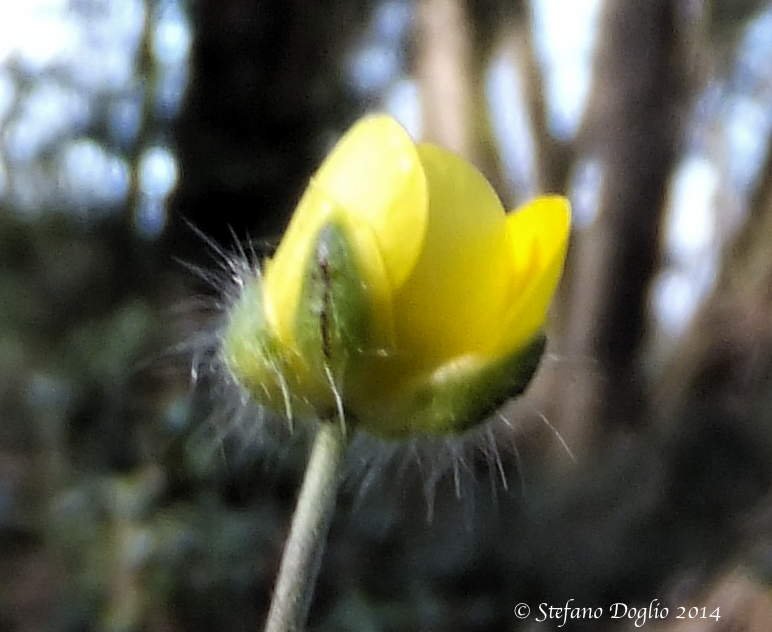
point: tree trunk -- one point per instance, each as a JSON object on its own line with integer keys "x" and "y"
{"x": 633, "y": 126}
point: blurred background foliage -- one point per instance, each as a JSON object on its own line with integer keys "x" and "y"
{"x": 131, "y": 501}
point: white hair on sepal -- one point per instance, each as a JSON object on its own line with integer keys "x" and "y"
{"x": 482, "y": 463}
{"x": 224, "y": 410}
{"x": 483, "y": 460}
{"x": 386, "y": 469}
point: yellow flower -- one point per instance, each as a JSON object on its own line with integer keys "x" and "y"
{"x": 402, "y": 294}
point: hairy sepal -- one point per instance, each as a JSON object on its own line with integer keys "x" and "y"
{"x": 334, "y": 321}
{"x": 253, "y": 355}
{"x": 457, "y": 396}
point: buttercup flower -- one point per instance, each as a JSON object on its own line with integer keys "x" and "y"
{"x": 402, "y": 295}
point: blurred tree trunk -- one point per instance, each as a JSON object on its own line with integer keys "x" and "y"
{"x": 729, "y": 371}
{"x": 444, "y": 68}
{"x": 268, "y": 91}
{"x": 633, "y": 126}
{"x": 553, "y": 157}
{"x": 455, "y": 41}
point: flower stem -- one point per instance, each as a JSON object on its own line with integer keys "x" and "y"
{"x": 303, "y": 551}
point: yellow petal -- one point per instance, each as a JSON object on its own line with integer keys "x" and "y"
{"x": 373, "y": 183}
{"x": 537, "y": 235}
{"x": 374, "y": 173}
{"x": 449, "y": 304}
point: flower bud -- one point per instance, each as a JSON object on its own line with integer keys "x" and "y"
{"x": 402, "y": 294}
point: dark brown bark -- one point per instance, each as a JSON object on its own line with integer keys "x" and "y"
{"x": 268, "y": 92}
{"x": 633, "y": 126}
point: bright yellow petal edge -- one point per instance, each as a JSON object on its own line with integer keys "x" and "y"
{"x": 537, "y": 234}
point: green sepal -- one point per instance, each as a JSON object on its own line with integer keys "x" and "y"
{"x": 457, "y": 396}
{"x": 333, "y": 321}
{"x": 251, "y": 352}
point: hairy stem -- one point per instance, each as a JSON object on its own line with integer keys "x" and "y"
{"x": 303, "y": 551}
